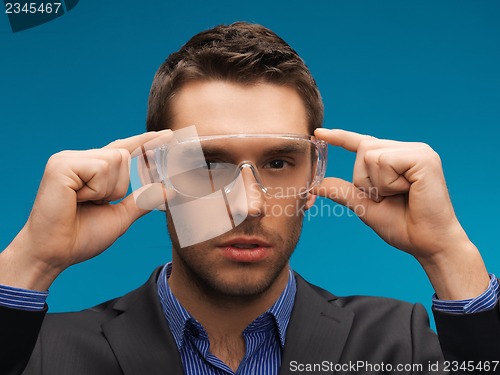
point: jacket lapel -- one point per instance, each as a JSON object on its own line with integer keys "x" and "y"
{"x": 143, "y": 344}
{"x": 317, "y": 331}
{"x": 140, "y": 337}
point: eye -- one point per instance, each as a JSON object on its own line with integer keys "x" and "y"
{"x": 215, "y": 165}
{"x": 277, "y": 164}
{"x": 212, "y": 165}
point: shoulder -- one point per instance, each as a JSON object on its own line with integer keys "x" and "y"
{"x": 67, "y": 339}
{"x": 374, "y": 329}
{"x": 88, "y": 319}
{"x": 372, "y": 310}
{"x": 87, "y": 325}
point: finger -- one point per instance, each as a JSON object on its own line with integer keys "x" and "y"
{"x": 97, "y": 178}
{"x": 362, "y": 179}
{"x": 117, "y": 174}
{"x": 119, "y": 187}
{"x": 91, "y": 177}
{"x": 133, "y": 144}
{"x": 344, "y": 193}
{"x": 386, "y": 171}
{"x": 129, "y": 211}
{"x": 161, "y": 140}
{"x": 99, "y": 153}
{"x": 96, "y": 175}
{"x": 153, "y": 196}
{"x": 147, "y": 169}
{"x": 342, "y": 138}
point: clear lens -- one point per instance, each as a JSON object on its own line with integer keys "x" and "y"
{"x": 282, "y": 165}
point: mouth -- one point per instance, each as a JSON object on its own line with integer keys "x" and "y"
{"x": 247, "y": 250}
{"x": 245, "y": 243}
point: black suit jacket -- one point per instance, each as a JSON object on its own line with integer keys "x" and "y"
{"x": 129, "y": 335}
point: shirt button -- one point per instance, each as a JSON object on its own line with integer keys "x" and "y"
{"x": 195, "y": 332}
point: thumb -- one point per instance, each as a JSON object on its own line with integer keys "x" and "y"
{"x": 142, "y": 201}
{"x": 344, "y": 193}
{"x": 153, "y": 196}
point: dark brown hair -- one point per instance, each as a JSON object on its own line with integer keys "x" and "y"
{"x": 242, "y": 53}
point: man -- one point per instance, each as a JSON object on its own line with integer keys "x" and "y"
{"x": 230, "y": 304}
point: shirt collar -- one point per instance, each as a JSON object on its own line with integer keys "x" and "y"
{"x": 178, "y": 317}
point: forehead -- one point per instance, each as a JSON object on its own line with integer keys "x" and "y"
{"x": 221, "y": 107}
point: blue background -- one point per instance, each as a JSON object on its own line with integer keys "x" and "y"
{"x": 426, "y": 71}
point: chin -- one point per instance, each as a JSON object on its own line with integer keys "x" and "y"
{"x": 243, "y": 282}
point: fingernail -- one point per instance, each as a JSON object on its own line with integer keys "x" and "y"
{"x": 164, "y": 131}
{"x": 320, "y": 131}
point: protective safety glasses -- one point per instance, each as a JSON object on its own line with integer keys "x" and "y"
{"x": 281, "y": 165}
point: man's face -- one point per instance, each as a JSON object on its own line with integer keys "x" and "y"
{"x": 231, "y": 264}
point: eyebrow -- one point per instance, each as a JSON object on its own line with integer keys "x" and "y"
{"x": 290, "y": 148}
{"x": 220, "y": 151}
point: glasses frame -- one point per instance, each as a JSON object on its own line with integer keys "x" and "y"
{"x": 320, "y": 145}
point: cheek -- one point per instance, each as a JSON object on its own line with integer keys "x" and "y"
{"x": 171, "y": 230}
{"x": 198, "y": 220}
{"x": 287, "y": 210}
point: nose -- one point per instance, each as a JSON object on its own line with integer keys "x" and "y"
{"x": 246, "y": 198}
{"x": 255, "y": 197}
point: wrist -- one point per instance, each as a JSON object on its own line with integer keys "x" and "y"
{"x": 21, "y": 270}
{"x": 457, "y": 272}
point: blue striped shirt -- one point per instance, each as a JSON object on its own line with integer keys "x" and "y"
{"x": 24, "y": 299}
{"x": 485, "y": 301}
{"x": 264, "y": 337}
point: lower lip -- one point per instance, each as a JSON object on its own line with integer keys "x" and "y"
{"x": 235, "y": 254}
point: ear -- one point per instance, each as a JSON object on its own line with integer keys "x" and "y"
{"x": 311, "y": 198}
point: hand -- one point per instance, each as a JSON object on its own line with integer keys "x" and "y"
{"x": 399, "y": 190}
{"x": 72, "y": 219}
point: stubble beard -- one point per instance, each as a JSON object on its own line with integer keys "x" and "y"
{"x": 213, "y": 284}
